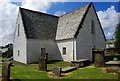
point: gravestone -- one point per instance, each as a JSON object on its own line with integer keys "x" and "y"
{"x": 6, "y": 71}
{"x": 80, "y": 63}
{"x": 112, "y": 66}
{"x": 43, "y": 60}
{"x": 56, "y": 71}
{"x": 119, "y": 75}
{"x": 98, "y": 57}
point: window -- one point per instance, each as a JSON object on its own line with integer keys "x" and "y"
{"x": 18, "y": 52}
{"x": 64, "y": 50}
{"x": 18, "y": 30}
{"x": 92, "y": 27}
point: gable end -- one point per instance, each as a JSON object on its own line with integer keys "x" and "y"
{"x": 80, "y": 26}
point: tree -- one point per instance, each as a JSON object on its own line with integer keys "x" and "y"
{"x": 117, "y": 37}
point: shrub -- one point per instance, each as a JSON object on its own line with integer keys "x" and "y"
{"x": 110, "y": 57}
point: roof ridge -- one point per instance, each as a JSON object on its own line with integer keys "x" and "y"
{"x": 77, "y": 9}
{"x": 37, "y": 12}
{"x": 82, "y": 20}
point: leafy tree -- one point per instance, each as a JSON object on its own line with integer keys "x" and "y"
{"x": 117, "y": 36}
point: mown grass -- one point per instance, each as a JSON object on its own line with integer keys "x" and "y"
{"x": 32, "y": 72}
{"x": 61, "y": 64}
{"x": 91, "y": 73}
{"x": 27, "y": 72}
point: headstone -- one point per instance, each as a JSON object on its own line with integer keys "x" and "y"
{"x": 112, "y": 66}
{"x": 43, "y": 64}
{"x": 43, "y": 60}
{"x": 119, "y": 75}
{"x": 98, "y": 57}
{"x": 5, "y": 71}
{"x": 56, "y": 71}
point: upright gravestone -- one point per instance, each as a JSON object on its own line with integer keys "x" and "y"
{"x": 56, "y": 71}
{"x": 6, "y": 71}
{"x": 43, "y": 61}
{"x": 119, "y": 75}
{"x": 98, "y": 57}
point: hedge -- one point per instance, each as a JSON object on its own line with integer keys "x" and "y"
{"x": 110, "y": 57}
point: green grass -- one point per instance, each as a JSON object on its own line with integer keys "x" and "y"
{"x": 91, "y": 73}
{"x": 61, "y": 64}
{"x": 31, "y": 72}
{"x": 27, "y": 72}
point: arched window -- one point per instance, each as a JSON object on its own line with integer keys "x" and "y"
{"x": 92, "y": 27}
{"x": 18, "y": 30}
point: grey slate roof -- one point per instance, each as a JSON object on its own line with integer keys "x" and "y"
{"x": 68, "y": 24}
{"x": 42, "y": 26}
{"x": 39, "y": 25}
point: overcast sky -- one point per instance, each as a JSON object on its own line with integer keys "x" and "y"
{"x": 108, "y": 13}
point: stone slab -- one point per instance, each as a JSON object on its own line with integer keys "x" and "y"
{"x": 113, "y": 63}
{"x": 80, "y": 63}
{"x": 68, "y": 69}
{"x": 81, "y": 60}
{"x": 112, "y": 66}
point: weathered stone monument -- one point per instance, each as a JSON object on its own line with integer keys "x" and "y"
{"x": 56, "y": 71}
{"x": 6, "y": 71}
{"x": 43, "y": 60}
{"x": 98, "y": 57}
{"x": 112, "y": 66}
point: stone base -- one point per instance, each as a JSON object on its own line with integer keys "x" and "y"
{"x": 113, "y": 66}
{"x": 112, "y": 69}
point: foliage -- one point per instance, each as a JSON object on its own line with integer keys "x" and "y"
{"x": 110, "y": 57}
{"x": 117, "y": 36}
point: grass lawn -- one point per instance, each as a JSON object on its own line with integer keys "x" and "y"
{"x": 91, "y": 73}
{"x": 27, "y": 72}
{"x": 32, "y": 72}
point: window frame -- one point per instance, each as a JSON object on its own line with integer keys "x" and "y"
{"x": 18, "y": 30}
{"x": 64, "y": 51}
{"x": 18, "y": 53}
{"x": 43, "y": 50}
{"x": 92, "y": 27}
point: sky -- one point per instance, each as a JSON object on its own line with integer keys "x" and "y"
{"x": 108, "y": 13}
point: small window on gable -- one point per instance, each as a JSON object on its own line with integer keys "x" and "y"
{"x": 92, "y": 27}
{"x": 18, "y": 30}
{"x": 18, "y": 52}
{"x": 64, "y": 50}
